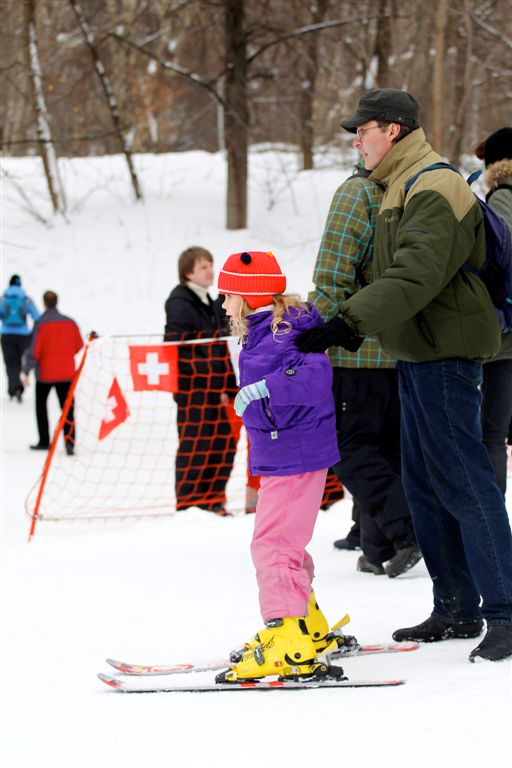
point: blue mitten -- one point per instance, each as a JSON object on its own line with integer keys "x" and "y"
{"x": 251, "y": 392}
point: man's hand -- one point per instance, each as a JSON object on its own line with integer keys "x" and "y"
{"x": 249, "y": 393}
{"x": 334, "y": 333}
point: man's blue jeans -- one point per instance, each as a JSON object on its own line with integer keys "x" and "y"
{"x": 458, "y": 511}
{"x": 497, "y": 415}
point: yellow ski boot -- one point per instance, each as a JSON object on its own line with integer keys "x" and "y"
{"x": 285, "y": 648}
{"x": 327, "y": 640}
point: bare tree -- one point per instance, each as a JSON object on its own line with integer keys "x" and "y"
{"x": 44, "y": 136}
{"x": 464, "y": 69}
{"x": 286, "y": 73}
{"x": 236, "y": 114}
{"x": 439, "y": 75}
{"x": 236, "y": 119}
{"x": 109, "y": 94}
{"x": 384, "y": 46}
{"x": 308, "y": 86}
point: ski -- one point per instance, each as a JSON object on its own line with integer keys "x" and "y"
{"x": 211, "y": 666}
{"x": 139, "y": 686}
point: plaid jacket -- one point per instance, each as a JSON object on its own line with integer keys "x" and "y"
{"x": 344, "y": 263}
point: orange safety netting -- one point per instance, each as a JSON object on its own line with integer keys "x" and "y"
{"x": 155, "y": 432}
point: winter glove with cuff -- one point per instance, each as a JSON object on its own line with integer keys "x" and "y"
{"x": 249, "y": 393}
{"x": 334, "y": 333}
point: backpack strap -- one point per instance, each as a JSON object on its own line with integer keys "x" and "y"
{"x": 474, "y": 176}
{"x": 433, "y": 167}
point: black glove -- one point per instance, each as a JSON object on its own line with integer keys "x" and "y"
{"x": 334, "y": 333}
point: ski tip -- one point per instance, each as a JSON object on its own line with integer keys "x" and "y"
{"x": 120, "y": 665}
{"x": 405, "y": 645}
{"x": 388, "y": 647}
{"x": 113, "y": 682}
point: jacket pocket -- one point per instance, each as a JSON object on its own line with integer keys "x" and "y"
{"x": 425, "y": 330}
{"x": 269, "y": 416}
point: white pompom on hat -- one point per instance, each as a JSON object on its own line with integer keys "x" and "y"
{"x": 254, "y": 275}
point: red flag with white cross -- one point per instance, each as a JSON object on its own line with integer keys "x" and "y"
{"x": 154, "y": 367}
{"x": 116, "y": 411}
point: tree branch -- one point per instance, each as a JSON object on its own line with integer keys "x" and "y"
{"x": 314, "y": 28}
{"x": 171, "y": 67}
{"x": 494, "y": 32}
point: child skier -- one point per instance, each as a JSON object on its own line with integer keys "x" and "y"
{"x": 287, "y": 407}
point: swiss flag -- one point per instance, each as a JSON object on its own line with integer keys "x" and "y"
{"x": 154, "y": 367}
{"x": 116, "y": 411}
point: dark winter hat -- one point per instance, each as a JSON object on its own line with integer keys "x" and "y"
{"x": 255, "y": 275}
{"x": 498, "y": 146}
{"x": 15, "y": 280}
{"x": 387, "y": 105}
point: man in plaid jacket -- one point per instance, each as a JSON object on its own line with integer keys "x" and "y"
{"x": 365, "y": 389}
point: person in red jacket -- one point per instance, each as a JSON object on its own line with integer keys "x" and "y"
{"x": 55, "y": 342}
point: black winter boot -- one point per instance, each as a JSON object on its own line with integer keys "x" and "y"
{"x": 434, "y": 629}
{"x": 402, "y": 560}
{"x": 496, "y": 645}
{"x": 365, "y": 566}
{"x": 348, "y": 544}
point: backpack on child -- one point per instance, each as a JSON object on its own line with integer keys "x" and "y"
{"x": 14, "y": 306}
{"x": 496, "y": 272}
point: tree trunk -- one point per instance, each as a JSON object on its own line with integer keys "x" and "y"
{"x": 236, "y": 115}
{"x": 384, "y": 47}
{"x": 109, "y": 94}
{"x": 463, "y": 92}
{"x": 438, "y": 77}
{"x": 306, "y": 106}
{"x": 44, "y": 137}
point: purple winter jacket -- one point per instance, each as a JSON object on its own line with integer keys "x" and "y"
{"x": 294, "y": 429}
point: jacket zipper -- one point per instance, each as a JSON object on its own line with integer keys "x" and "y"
{"x": 274, "y": 435}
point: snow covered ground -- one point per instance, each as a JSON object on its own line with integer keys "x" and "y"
{"x": 182, "y": 589}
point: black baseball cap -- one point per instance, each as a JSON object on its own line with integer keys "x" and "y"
{"x": 388, "y": 105}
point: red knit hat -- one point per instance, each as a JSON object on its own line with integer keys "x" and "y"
{"x": 255, "y": 275}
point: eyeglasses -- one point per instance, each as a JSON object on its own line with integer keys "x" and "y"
{"x": 361, "y": 131}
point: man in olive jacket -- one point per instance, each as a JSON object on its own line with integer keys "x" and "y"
{"x": 437, "y": 319}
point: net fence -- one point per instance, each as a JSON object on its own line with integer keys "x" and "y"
{"x": 155, "y": 433}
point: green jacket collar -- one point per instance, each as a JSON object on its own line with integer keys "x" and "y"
{"x": 405, "y": 154}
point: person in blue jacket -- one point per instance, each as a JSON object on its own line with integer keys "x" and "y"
{"x": 15, "y": 307}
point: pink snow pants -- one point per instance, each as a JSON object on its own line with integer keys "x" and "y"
{"x": 286, "y": 513}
